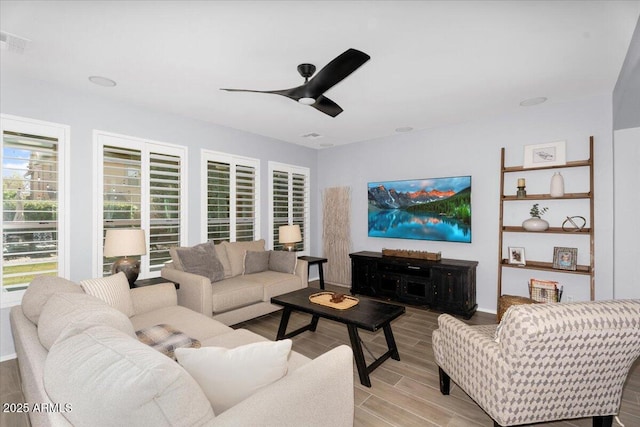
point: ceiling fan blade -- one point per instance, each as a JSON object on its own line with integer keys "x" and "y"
{"x": 335, "y": 71}
{"x": 327, "y": 106}
{"x": 293, "y": 93}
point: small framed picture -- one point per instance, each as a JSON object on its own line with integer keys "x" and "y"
{"x": 516, "y": 256}
{"x": 565, "y": 258}
{"x": 549, "y": 154}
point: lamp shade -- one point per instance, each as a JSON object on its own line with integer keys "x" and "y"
{"x": 124, "y": 242}
{"x": 289, "y": 234}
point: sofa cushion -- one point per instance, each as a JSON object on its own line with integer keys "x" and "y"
{"x": 112, "y": 379}
{"x": 40, "y": 290}
{"x": 80, "y": 310}
{"x": 201, "y": 260}
{"x": 166, "y": 339}
{"x": 283, "y": 261}
{"x": 114, "y": 290}
{"x": 256, "y": 261}
{"x": 196, "y": 325}
{"x": 228, "y": 376}
{"x": 235, "y": 253}
{"x": 221, "y": 253}
{"x": 274, "y": 283}
{"x": 236, "y": 292}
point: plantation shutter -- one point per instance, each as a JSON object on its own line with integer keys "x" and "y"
{"x": 290, "y": 202}
{"x": 164, "y": 195}
{"x": 232, "y": 197}
{"x": 30, "y": 210}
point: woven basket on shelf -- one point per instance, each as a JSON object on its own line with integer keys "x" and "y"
{"x": 507, "y": 301}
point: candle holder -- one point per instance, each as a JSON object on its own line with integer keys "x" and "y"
{"x": 522, "y": 193}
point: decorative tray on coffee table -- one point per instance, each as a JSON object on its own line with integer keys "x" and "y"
{"x": 324, "y": 298}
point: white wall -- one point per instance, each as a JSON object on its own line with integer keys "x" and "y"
{"x": 626, "y": 149}
{"x": 474, "y": 149}
{"x": 44, "y": 101}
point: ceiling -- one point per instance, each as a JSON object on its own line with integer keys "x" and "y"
{"x": 433, "y": 63}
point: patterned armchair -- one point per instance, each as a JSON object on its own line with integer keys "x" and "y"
{"x": 546, "y": 362}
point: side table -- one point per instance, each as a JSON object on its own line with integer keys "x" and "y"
{"x": 153, "y": 281}
{"x": 312, "y": 260}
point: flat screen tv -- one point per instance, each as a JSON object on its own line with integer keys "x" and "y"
{"x": 422, "y": 209}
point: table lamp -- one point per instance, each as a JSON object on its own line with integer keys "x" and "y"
{"x": 289, "y": 235}
{"x": 125, "y": 242}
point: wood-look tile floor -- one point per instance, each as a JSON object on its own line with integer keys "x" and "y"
{"x": 403, "y": 393}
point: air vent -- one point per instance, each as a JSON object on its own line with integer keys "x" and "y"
{"x": 12, "y": 43}
{"x": 312, "y": 135}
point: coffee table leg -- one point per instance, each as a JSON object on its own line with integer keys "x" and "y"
{"x": 391, "y": 342}
{"x": 314, "y": 323}
{"x": 358, "y": 355}
{"x": 284, "y": 321}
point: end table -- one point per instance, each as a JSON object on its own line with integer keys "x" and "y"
{"x": 153, "y": 281}
{"x": 311, "y": 260}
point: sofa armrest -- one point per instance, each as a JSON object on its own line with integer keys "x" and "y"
{"x": 319, "y": 393}
{"x": 195, "y": 291}
{"x": 149, "y": 298}
{"x": 302, "y": 271}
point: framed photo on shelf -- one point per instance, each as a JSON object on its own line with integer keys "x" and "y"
{"x": 541, "y": 155}
{"x": 516, "y": 256}
{"x": 565, "y": 258}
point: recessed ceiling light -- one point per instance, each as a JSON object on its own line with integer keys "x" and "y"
{"x": 326, "y": 144}
{"x": 533, "y": 101}
{"x": 404, "y": 129}
{"x": 102, "y": 81}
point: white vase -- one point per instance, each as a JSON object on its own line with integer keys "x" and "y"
{"x": 557, "y": 185}
{"x": 535, "y": 224}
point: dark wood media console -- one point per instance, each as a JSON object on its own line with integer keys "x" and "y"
{"x": 447, "y": 285}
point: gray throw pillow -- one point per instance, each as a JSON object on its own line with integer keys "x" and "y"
{"x": 283, "y": 261}
{"x": 256, "y": 261}
{"x": 201, "y": 260}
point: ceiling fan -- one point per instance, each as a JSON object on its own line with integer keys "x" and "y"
{"x": 312, "y": 91}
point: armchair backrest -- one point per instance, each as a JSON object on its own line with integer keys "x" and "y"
{"x": 583, "y": 349}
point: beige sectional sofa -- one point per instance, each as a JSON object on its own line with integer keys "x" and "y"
{"x": 81, "y": 364}
{"x": 238, "y": 296}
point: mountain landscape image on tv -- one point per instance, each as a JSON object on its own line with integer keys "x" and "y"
{"x": 421, "y": 209}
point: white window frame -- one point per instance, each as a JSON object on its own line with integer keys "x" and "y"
{"x": 102, "y": 138}
{"x": 233, "y": 161}
{"x": 63, "y": 135}
{"x": 291, "y": 169}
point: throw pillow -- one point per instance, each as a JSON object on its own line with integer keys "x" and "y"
{"x": 255, "y": 262}
{"x": 283, "y": 261}
{"x": 114, "y": 290}
{"x": 78, "y": 311}
{"x": 201, "y": 260}
{"x": 228, "y": 376}
{"x": 40, "y": 290}
{"x": 166, "y": 339}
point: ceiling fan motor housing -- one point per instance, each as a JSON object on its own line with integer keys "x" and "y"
{"x": 306, "y": 70}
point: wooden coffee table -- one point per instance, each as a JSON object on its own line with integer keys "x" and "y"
{"x": 369, "y": 315}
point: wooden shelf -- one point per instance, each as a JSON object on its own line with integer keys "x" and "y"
{"x": 547, "y": 197}
{"x": 555, "y": 230}
{"x": 548, "y": 266}
{"x": 574, "y": 164}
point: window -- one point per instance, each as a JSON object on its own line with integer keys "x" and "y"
{"x": 289, "y": 202}
{"x": 34, "y": 198}
{"x": 231, "y": 201}
{"x": 142, "y": 184}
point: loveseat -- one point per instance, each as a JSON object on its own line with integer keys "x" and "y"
{"x": 81, "y": 363}
{"x": 544, "y": 362}
{"x": 234, "y": 282}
